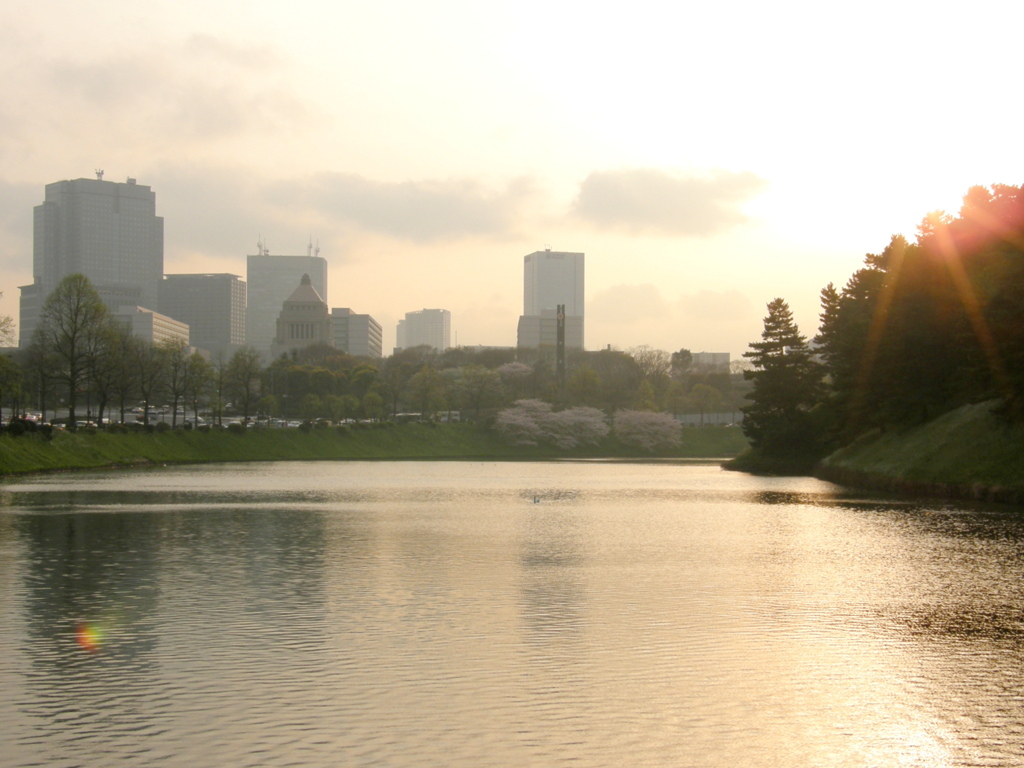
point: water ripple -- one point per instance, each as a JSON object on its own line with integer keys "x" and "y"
{"x": 504, "y": 615}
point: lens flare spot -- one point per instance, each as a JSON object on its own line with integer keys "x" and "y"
{"x": 89, "y": 637}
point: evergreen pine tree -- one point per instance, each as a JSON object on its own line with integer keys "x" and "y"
{"x": 787, "y": 385}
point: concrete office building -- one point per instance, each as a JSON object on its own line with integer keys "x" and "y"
{"x": 430, "y": 327}
{"x": 358, "y": 335}
{"x": 710, "y": 362}
{"x": 213, "y": 306}
{"x": 542, "y": 331}
{"x": 105, "y": 230}
{"x": 302, "y": 321}
{"x": 152, "y": 326}
{"x": 550, "y": 279}
{"x": 270, "y": 280}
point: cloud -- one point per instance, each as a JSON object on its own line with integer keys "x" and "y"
{"x": 217, "y": 213}
{"x": 16, "y": 204}
{"x": 629, "y": 304}
{"x": 208, "y": 211}
{"x": 419, "y": 211}
{"x": 160, "y": 99}
{"x": 217, "y": 51}
{"x": 707, "y": 320}
{"x": 722, "y": 307}
{"x": 648, "y": 200}
{"x": 195, "y": 97}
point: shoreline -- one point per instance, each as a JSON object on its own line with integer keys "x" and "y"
{"x": 30, "y": 454}
{"x": 968, "y": 454}
{"x": 853, "y": 478}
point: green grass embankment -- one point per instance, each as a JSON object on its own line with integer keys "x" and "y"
{"x": 34, "y": 453}
{"x": 967, "y": 453}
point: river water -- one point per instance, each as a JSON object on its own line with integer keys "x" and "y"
{"x": 503, "y": 614}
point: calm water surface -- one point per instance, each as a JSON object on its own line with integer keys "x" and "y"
{"x": 506, "y": 614}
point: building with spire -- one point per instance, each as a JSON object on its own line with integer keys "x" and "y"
{"x": 303, "y": 321}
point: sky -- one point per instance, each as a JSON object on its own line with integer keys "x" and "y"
{"x": 706, "y": 157}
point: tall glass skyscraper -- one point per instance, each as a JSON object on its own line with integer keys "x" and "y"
{"x": 105, "y": 230}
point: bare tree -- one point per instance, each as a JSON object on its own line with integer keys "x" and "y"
{"x": 125, "y": 373}
{"x": 150, "y": 364}
{"x": 220, "y": 383}
{"x": 199, "y": 377}
{"x": 6, "y": 328}
{"x": 652, "y": 363}
{"x": 176, "y": 362}
{"x": 105, "y": 367}
{"x": 10, "y": 382}
{"x": 243, "y": 378}
{"x": 36, "y": 364}
{"x": 71, "y": 324}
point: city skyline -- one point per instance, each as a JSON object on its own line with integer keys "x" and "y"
{"x": 707, "y": 160}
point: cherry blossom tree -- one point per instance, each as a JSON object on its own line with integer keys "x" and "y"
{"x": 520, "y": 425}
{"x": 532, "y": 422}
{"x": 576, "y": 427}
{"x": 647, "y": 430}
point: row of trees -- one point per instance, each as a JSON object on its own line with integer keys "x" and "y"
{"x": 425, "y": 381}
{"x": 80, "y": 356}
{"x": 922, "y": 328}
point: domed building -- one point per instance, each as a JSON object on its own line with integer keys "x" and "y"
{"x": 303, "y": 322}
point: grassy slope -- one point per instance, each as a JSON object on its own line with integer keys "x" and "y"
{"x": 967, "y": 452}
{"x": 30, "y": 453}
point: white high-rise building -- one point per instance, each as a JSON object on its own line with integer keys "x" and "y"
{"x": 105, "y": 230}
{"x": 358, "y": 335}
{"x": 430, "y": 327}
{"x": 270, "y": 280}
{"x": 551, "y": 279}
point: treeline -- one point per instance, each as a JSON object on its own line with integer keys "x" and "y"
{"x": 922, "y": 328}
{"x": 86, "y": 361}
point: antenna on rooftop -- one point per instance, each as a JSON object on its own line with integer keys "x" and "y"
{"x": 99, "y": 174}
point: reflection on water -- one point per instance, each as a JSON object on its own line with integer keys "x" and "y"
{"x": 475, "y": 614}
{"x": 553, "y": 592}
